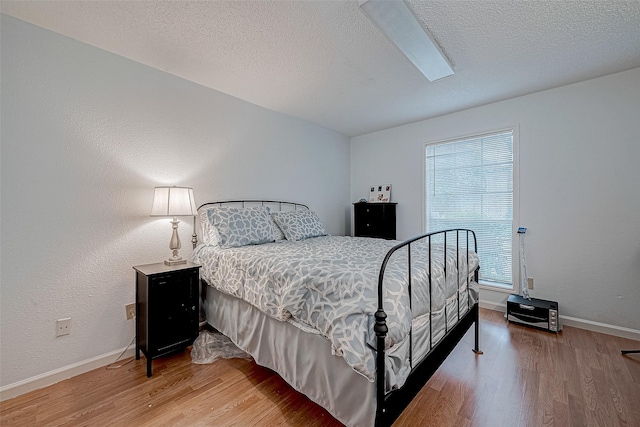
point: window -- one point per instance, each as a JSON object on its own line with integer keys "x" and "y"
{"x": 469, "y": 183}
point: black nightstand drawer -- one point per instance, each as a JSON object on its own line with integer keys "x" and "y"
{"x": 172, "y": 306}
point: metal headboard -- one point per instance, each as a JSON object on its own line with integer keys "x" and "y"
{"x": 292, "y": 206}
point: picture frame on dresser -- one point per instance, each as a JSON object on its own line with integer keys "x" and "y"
{"x": 380, "y": 193}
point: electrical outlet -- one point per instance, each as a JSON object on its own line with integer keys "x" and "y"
{"x": 131, "y": 310}
{"x": 63, "y": 326}
{"x": 530, "y": 282}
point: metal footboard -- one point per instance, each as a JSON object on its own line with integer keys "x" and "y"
{"x": 390, "y": 405}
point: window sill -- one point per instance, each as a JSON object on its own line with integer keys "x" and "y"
{"x": 497, "y": 288}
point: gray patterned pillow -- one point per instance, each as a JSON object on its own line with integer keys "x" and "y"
{"x": 241, "y": 226}
{"x": 299, "y": 225}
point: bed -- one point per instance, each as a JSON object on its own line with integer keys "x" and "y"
{"x": 356, "y": 324}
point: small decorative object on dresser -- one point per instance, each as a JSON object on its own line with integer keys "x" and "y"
{"x": 375, "y": 220}
{"x": 167, "y": 309}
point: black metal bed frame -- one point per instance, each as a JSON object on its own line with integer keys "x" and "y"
{"x": 256, "y": 202}
{"x": 390, "y": 405}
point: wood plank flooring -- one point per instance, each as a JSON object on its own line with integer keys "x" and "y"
{"x": 524, "y": 378}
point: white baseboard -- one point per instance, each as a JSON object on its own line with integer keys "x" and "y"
{"x": 618, "y": 331}
{"x": 495, "y": 306}
{"x": 589, "y": 325}
{"x": 39, "y": 381}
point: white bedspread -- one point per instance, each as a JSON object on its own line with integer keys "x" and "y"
{"x": 330, "y": 283}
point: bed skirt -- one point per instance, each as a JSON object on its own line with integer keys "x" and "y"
{"x": 324, "y": 378}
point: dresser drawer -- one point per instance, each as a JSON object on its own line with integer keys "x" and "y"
{"x": 375, "y": 220}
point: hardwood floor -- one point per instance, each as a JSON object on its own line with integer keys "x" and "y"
{"x": 524, "y": 378}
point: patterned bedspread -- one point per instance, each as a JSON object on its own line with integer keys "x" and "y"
{"x": 330, "y": 283}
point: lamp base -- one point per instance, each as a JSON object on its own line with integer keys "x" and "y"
{"x": 174, "y": 261}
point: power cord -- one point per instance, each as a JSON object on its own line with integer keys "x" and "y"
{"x": 110, "y": 366}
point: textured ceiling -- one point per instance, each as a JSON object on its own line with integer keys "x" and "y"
{"x": 327, "y": 63}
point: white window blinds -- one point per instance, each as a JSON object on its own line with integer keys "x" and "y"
{"x": 469, "y": 184}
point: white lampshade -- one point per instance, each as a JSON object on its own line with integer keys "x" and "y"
{"x": 173, "y": 201}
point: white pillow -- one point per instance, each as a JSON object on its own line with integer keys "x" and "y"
{"x": 278, "y": 235}
{"x": 210, "y": 235}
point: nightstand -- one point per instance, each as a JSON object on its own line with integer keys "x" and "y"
{"x": 375, "y": 220}
{"x": 167, "y": 309}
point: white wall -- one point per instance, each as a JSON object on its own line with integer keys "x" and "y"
{"x": 579, "y": 188}
{"x": 86, "y": 135}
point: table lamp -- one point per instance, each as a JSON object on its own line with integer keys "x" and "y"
{"x": 173, "y": 202}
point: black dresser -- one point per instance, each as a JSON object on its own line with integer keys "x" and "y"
{"x": 375, "y": 220}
